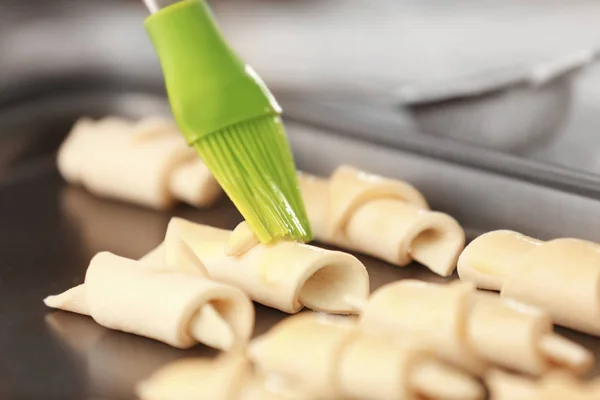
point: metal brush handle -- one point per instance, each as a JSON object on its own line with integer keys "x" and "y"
{"x": 155, "y": 5}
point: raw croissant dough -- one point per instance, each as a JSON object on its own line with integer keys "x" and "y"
{"x": 284, "y": 275}
{"x": 561, "y": 276}
{"x": 180, "y": 309}
{"x": 331, "y": 359}
{"x": 229, "y": 377}
{"x": 553, "y": 386}
{"x": 384, "y": 218}
{"x": 146, "y": 163}
{"x": 472, "y": 329}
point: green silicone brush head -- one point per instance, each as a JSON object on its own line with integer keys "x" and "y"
{"x": 226, "y": 112}
{"x": 253, "y": 163}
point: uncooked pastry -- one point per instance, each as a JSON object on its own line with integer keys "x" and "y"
{"x": 553, "y": 386}
{"x": 229, "y": 377}
{"x": 473, "y": 329}
{"x": 284, "y": 275}
{"x": 241, "y": 240}
{"x": 381, "y": 217}
{"x": 146, "y": 163}
{"x": 180, "y": 309}
{"x": 331, "y": 359}
{"x": 561, "y": 276}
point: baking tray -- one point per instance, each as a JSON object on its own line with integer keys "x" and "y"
{"x": 49, "y": 231}
{"x": 388, "y": 125}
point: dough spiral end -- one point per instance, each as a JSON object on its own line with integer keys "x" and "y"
{"x": 332, "y": 359}
{"x": 558, "y": 276}
{"x": 473, "y": 330}
{"x": 160, "y": 167}
{"x": 384, "y": 218}
{"x": 287, "y": 276}
{"x": 556, "y": 385}
{"x": 228, "y": 377}
{"x": 175, "y": 308}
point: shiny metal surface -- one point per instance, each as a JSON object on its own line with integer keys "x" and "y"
{"x": 48, "y": 233}
{"x": 52, "y": 44}
{"x": 453, "y": 57}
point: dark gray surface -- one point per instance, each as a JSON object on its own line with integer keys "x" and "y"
{"x": 48, "y": 233}
{"x": 74, "y": 39}
{"x": 479, "y": 199}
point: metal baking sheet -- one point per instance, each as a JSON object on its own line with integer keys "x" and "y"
{"x": 49, "y": 231}
{"x": 388, "y": 126}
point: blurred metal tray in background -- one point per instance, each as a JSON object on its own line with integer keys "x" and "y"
{"x": 49, "y": 231}
{"x": 514, "y": 96}
{"x": 485, "y": 189}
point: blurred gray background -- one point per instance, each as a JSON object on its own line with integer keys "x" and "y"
{"x": 517, "y": 77}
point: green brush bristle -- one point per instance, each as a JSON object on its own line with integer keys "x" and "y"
{"x": 253, "y": 163}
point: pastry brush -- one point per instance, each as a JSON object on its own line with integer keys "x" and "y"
{"x": 228, "y": 115}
